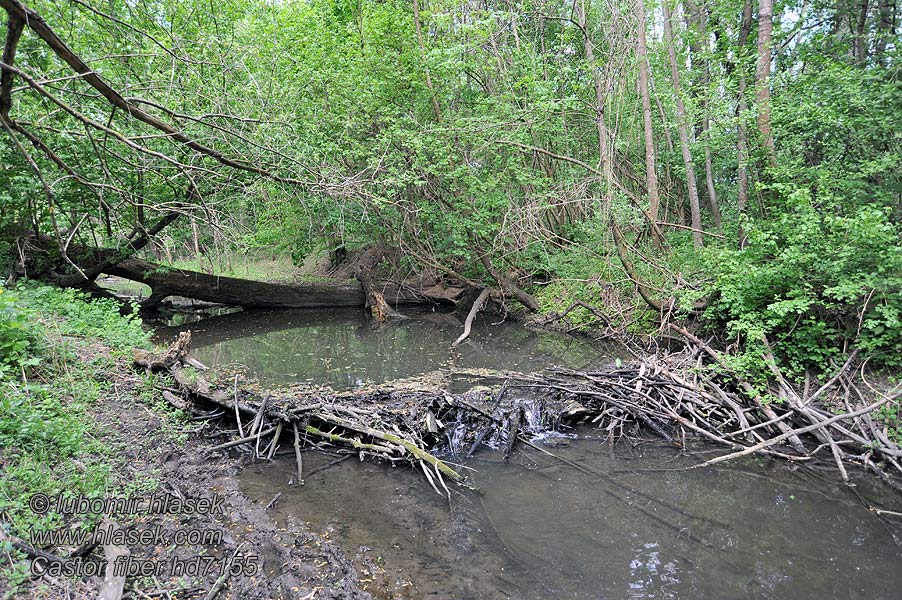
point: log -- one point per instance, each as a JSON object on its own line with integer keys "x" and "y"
{"x": 113, "y": 584}
{"x": 41, "y": 261}
{"x": 166, "y": 282}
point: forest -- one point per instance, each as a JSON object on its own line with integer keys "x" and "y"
{"x": 716, "y": 184}
{"x": 727, "y": 159}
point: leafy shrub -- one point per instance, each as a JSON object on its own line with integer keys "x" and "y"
{"x": 815, "y": 284}
{"x": 46, "y": 392}
{"x": 19, "y": 347}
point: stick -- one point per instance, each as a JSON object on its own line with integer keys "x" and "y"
{"x": 275, "y": 441}
{"x": 350, "y": 441}
{"x": 240, "y": 441}
{"x": 468, "y": 323}
{"x": 273, "y": 501}
{"x": 297, "y": 454}
{"x": 258, "y": 419}
{"x": 220, "y": 583}
{"x": 388, "y": 437}
{"x": 796, "y": 432}
{"x": 237, "y": 413}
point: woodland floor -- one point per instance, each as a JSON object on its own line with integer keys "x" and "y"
{"x": 295, "y": 562}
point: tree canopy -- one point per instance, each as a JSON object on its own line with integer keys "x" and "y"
{"x": 745, "y": 152}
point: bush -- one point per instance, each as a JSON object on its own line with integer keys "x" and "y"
{"x": 19, "y": 348}
{"x": 46, "y": 389}
{"x": 816, "y": 284}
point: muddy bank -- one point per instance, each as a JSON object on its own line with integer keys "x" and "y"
{"x": 154, "y": 454}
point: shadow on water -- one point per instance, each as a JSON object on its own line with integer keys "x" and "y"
{"x": 341, "y": 347}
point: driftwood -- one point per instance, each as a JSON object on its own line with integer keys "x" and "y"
{"x": 374, "y": 299}
{"x": 113, "y": 584}
{"x": 419, "y": 422}
{"x": 468, "y": 323}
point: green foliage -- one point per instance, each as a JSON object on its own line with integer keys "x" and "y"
{"x": 814, "y": 284}
{"x": 57, "y": 345}
{"x": 70, "y": 313}
{"x": 19, "y": 347}
{"x": 497, "y": 151}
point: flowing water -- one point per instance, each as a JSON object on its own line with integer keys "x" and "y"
{"x": 633, "y": 523}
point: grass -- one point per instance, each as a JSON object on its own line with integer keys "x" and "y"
{"x": 57, "y": 351}
{"x": 260, "y": 268}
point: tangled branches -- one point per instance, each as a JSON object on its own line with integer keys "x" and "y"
{"x": 420, "y": 423}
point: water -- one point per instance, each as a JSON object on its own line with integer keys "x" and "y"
{"x": 633, "y": 523}
{"x": 642, "y": 528}
{"x": 340, "y": 347}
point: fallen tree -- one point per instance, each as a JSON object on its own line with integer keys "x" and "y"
{"x": 39, "y": 258}
{"x": 165, "y": 282}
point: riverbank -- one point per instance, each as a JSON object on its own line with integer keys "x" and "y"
{"x": 77, "y": 420}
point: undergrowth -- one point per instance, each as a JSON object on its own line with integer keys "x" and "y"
{"x": 56, "y": 348}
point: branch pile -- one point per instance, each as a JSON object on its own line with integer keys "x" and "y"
{"x": 420, "y": 423}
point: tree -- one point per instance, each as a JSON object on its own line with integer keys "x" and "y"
{"x": 651, "y": 176}
{"x": 683, "y": 130}
{"x": 762, "y": 78}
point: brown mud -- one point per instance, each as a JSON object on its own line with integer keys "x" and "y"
{"x": 294, "y": 561}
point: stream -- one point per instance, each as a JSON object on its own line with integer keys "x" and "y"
{"x": 632, "y": 523}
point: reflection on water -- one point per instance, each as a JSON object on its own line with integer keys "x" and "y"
{"x": 633, "y": 524}
{"x": 642, "y": 528}
{"x": 343, "y": 349}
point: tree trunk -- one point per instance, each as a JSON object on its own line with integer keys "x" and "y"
{"x": 696, "y": 19}
{"x": 885, "y": 22}
{"x": 166, "y": 282}
{"x": 742, "y": 144}
{"x": 861, "y": 39}
{"x": 416, "y": 20}
{"x": 762, "y": 78}
{"x": 683, "y": 130}
{"x": 651, "y": 176}
{"x": 508, "y": 286}
{"x": 374, "y": 300}
{"x": 604, "y": 136}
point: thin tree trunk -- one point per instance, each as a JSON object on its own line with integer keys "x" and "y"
{"x": 683, "y": 130}
{"x": 668, "y": 139}
{"x": 861, "y": 42}
{"x": 742, "y": 144}
{"x": 604, "y": 159}
{"x": 651, "y": 176}
{"x": 885, "y": 23}
{"x": 422, "y": 46}
{"x": 762, "y": 78}
{"x": 696, "y": 18}
{"x": 709, "y": 183}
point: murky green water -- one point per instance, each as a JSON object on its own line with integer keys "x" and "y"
{"x": 638, "y": 526}
{"x": 642, "y": 528}
{"x": 340, "y": 347}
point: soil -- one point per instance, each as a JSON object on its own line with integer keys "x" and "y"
{"x": 145, "y": 446}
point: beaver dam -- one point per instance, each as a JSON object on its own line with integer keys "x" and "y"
{"x": 576, "y": 474}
